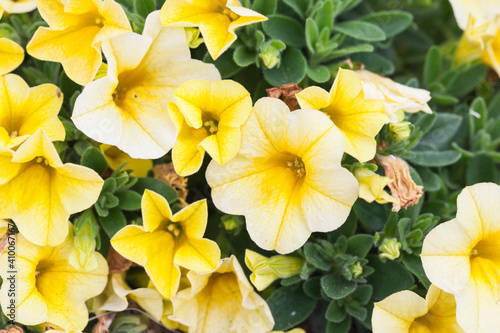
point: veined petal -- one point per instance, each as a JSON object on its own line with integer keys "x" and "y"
{"x": 193, "y": 218}
{"x": 37, "y": 145}
{"x": 199, "y": 255}
{"x": 224, "y": 145}
{"x": 155, "y": 210}
{"x": 126, "y": 51}
{"x": 187, "y": 155}
{"x": 54, "y": 13}
{"x": 11, "y": 55}
{"x": 114, "y": 18}
{"x": 314, "y": 98}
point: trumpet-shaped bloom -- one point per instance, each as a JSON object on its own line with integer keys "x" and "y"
{"x": 38, "y": 192}
{"x": 49, "y": 289}
{"x": 115, "y": 158}
{"x": 221, "y": 301}
{"x": 166, "y": 242}
{"x": 371, "y": 186}
{"x": 357, "y": 117}
{"x": 208, "y": 116}
{"x": 395, "y": 96}
{"x": 405, "y": 311}
{"x": 24, "y": 110}
{"x": 217, "y": 20}
{"x": 286, "y": 179}
{"x": 462, "y": 257}
{"x": 484, "y": 11}
{"x": 128, "y": 107}
{"x": 11, "y": 54}
{"x": 17, "y": 6}
{"x": 76, "y": 30}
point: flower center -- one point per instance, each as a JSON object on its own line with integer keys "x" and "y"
{"x": 229, "y": 13}
{"x": 41, "y": 160}
{"x": 211, "y": 126}
{"x": 297, "y": 166}
{"x": 14, "y": 134}
{"x": 174, "y": 229}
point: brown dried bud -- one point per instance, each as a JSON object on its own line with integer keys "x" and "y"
{"x": 103, "y": 323}
{"x": 117, "y": 263}
{"x": 287, "y": 93}
{"x": 166, "y": 173}
{"x": 13, "y": 329}
{"x": 403, "y": 188}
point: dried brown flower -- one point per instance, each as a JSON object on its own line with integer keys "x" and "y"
{"x": 166, "y": 173}
{"x": 117, "y": 263}
{"x": 13, "y": 329}
{"x": 287, "y": 93}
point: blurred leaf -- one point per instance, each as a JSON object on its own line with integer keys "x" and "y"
{"x": 319, "y": 74}
{"x": 286, "y": 29}
{"x": 480, "y": 169}
{"x": 290, "y": 306}
{"x": 129, "y": 200}
{"x": 391, "y": 22}
{"x": 335, "y": 313}
{"x": 292, "y": 69}
{"x": 94, "y": 159}
{"x": 337, "y": 286}
{"x": 265, "y": 7}
{"x": 244, "y": 57}
{"x": 225, "y": 64}
{"x": 361, "y": 30}
{"x": 144, "y": 7}
{"x": 434, "y": 158}
{"x": 388, "y": 278}
{"x": 113, "y": 222}
{"x": 359, "y": 245}
{"x": 157, "y": 186}
{"x": 432, "y": 68}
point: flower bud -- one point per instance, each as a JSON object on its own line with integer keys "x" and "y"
{"x": 232, "y": 224}
{"x": 356, "y": 269}
{"x": 371, "y": 186}
{"x": 271, "y": 54}
{"x": 390, "y": 249}
{"x": 86, "y": 229}
{"x": 101, "y": 72}
{"x": 193, "y": 37}
{"x": 401, "y": 129}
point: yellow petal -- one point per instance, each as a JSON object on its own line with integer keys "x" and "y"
{"x": 193, "y": 218}
{"x": 155, "y": 210}
{"x": 11, "y": 55}
{"x": 483, "y": 11}
{"x": 199, "y": 255}
{"x": 224, "y": 145}
{"x": 314, "y": 98}
{"x": 186, "y": 154}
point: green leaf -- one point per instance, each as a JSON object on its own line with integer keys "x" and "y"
{"x": 286, "y": 29}
{"x": 113, "y": 222}
{"x": 144, "y": 7}
{"x": 361, "y": 30}
{"x": 312, "y": 33}
{"x": 225, "y": 64}
{"x": 342, "y": 327}
{"x": 362, "y": 294}
{"x": 357, "y": 312}
{"x": 432, "y": 67}
{"x": 325, "y": 15}
{"x": 444, "y": 128}
{"x": 434, "y": 158}
{"x": 314, "y": 257}
{"x": 391, "y": 22}
{"x": 244, "y": 57}
{"x": 375, "y": 62}
{"x": 349, "y": 50}
{"x": 319, "y": 74}
{"x": 94, "y": 159}
{"x": 335, "y": 313}
{"x": 265, "y": 7}
{"x": 299, "y": 6}
{"x": 466, "y": 81}
{"x": 129, "y": 200}
{"x": 312, "y": 287}
{"x": 414, "y": 264}
{"x": 359, "y": 245}
{"x": 289, "y": 307}
{"x": 430, "y": 180}
{"x": 480, "y": 168}
{"x": 157, "y": 186}
{"x": 388, "y": 278}
{"x": 444, "y": 99}
{"x": 371, "y": 215}
{"x": 292, "y": 69}
{"x": 336, "y": 286}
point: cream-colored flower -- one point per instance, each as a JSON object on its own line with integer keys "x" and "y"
{"x": 128, "y": 107}
{"x": 25, "y": 110}
{"x": 462, "y": 257}
{"x": 221, "y": 301}
{"x": 482, "y": 10}
{"x": 49, "y": 289}
{"x": 286, "y": 179}
{"x": 396, "y": 96}
{"x": 17, "y": 6}
{"x": 406, "y": 312}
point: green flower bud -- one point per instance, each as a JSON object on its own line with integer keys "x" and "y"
{"x": 401, "y": 130}
{"x": 193, "y": 37}
{"x": 356, "y": 269}
{"x": 85, "y": 231}
{"x": 270, "y": 53}
{"x": 232, "y": 224}
{"x": 390, "y": 249}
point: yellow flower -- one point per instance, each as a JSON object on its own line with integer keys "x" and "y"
{"x": 128, "y": 107}
{"x": 11, "y": 55}
{"x": 395, "y": 96}
{"x": 221, "y": 301}
{"x": 371, "y": 186}
{"x": 208, "y": 116}
{"x": 24, "y": 110}
{"x": 48, "y": 288}
{"x": 358, "y": 118}
{"x": 483, "y": 10}
{"x": 76, "y": 30}
{"x": 461, "y": 257}
{"x": 295, "y": 330}
{"x": 217, "y": 20}
{"x": 4, "y": 228}
{"x": 286, "y": 179}
{"x": 17, "y": 6}
{"x": 167, "y": 242}
{"x": 405, "y": 311}
{"x": 266, "y": 270}
{"x": 115, "y": 157}
{"x": 39, "y": 192}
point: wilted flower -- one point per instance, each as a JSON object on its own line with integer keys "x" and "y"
{"x": 371, "y": 186}
{"x": 286, "y": 179}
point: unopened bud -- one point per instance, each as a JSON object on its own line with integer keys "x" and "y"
{"x": 101, "y": 72}
{"x": 232, "y": 224}
{"x": 356, "y": 269}
{"x": 86, "y": 229}
{"x": 390, "y": 249}
{"x": 371, "y": 186}
{"x": 401, "y": 130}
{"x": 193, "y": 37}
{"x": 271, "y": 54}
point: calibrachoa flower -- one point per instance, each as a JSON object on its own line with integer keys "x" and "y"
{"x": 482, "y": 10}
{"x": 128, "y": 107}
{"x": 39, "y": 192}
{"x": 17, "y": 6}
{"x": 358, "y": 118}
{"x": 405, "y": 311}
{"x": 11, "y": 55}
{"x": 462, "y": 257}
{"x": 221, "y": 301}
{"x": 217, "y": 20}
{"x": 49, "y": 289}
{"x": 286, "y": 179}
{"x": 395, "y": 96}
{"x": 75, "y": 33}
{"x": 115, "y": 158}
{"x": 25, "y": 110}
{"x": 371, "y": 186}
{"x": 166, "y": 242}
{"x": 208, "y": 116}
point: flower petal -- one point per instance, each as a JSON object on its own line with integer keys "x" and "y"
{"x": 11, "y": 55}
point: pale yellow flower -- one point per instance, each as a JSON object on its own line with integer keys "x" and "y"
{"x": 462, "y": 257}
{"x": 128, "y": 107}
{"x": 17, "y": 6}
{"x": 482, "y": 10}
{"x": 405, "y": 311}
{"x": 115, "y": 158}
{"x": 371, "y": 186}
{"x": 221, "y": 301}
{"x": 11, "y": 55}
{"x": 75, "y": 33}
{"x": 287, "y": 178}
{"x": 208, "y": 116}
{"x": 217, "y": 20}
{"x": 166, "y": 242}
{"x": 25, "y": 110}
{"x": 395, "y": 96}
{"x": 358, "y": 118}
{"x": 295, "y": 330}
{"x": 49, "y": 289}
{"x": 38, "y": 192}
